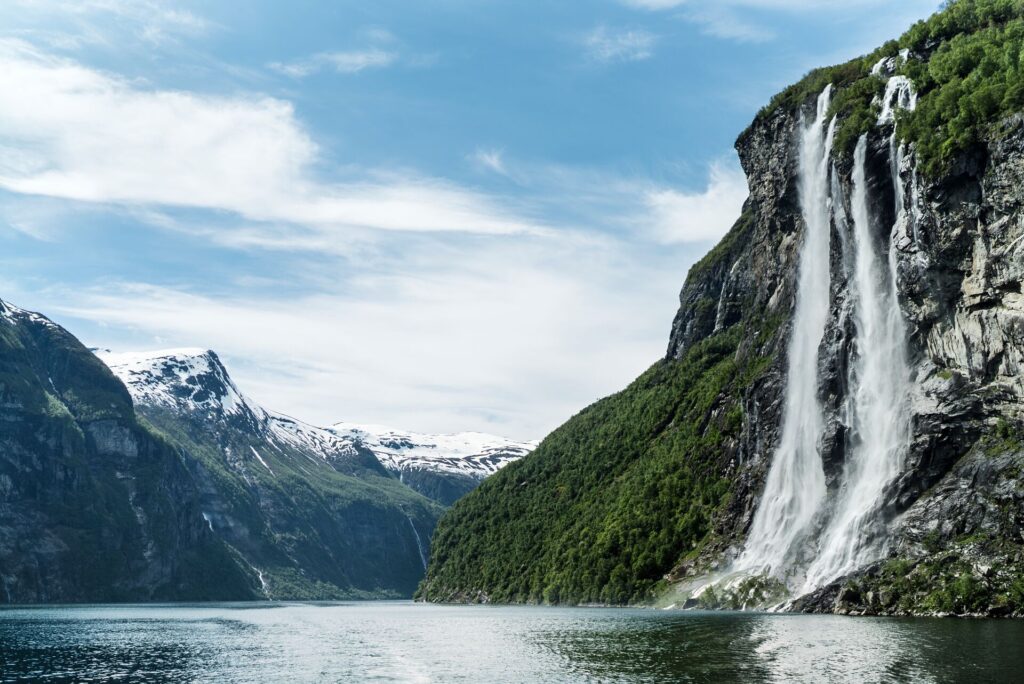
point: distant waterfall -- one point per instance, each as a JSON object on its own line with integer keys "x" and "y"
{"x": 419, "y": 542}
{"x": 795, "y": 487}
{"x": 878, "y": 409}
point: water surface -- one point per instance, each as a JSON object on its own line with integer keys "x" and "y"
{"x": 405, "y": 642}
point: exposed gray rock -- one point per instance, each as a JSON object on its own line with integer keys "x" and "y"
{"x": 960, "y": 261}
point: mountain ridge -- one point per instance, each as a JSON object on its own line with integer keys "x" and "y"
{"x": 95, "y": 506}
{"x": 194, "y": 380}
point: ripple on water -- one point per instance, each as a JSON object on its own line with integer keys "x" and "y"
{"x": 403, "y": 642}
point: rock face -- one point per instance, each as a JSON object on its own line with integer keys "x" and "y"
{"x": 94, "y": 506}
{"x": 953, "y": 517}
{"x": 958, "y": 521}
{"x": 313, "y": 512}
{"x": 956, "y": 513}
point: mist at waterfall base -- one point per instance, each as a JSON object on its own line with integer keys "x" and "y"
{"x": 804, "y": 535}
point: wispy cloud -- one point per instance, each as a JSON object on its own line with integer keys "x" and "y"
{"x": 97, "y": 21}
{"x": 85, "y": 135}
{"x": 619, "y": 45}
{"x": 501, "y": 335}
{"x": 751, "y": 4}
{"x": 730, "y": 19}
{"x": 379, "y": 49}
{"x": 490, "y": 159}
{"x": 699, "y": 216}
{"x": 342, "y": 62}
{"x": 726, "y": 22}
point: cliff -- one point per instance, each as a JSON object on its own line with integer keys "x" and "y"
{"x": 312, "y": 513}
{"x": 657, "y": 491}
{"x": 93, "y": 505}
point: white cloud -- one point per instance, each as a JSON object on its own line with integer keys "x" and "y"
{"x": 725, "y": 22}
{"x": 423, "y": 329}
{"x": 342, "y": 62}
{"x": 154, "y": 21}
{"x": 490, "y": 159}
{"x": 86, "y": 135}
{"x": 696, "y": 217}
{"x": 508, "y": 336}
{"x": 608, "y": 45}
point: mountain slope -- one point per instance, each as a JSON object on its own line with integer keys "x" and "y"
{"x": 314, "y": 513}
{"x": 93, "y": 505}
{"x": 442, "y": 467}
{"x": 656, "y": 487}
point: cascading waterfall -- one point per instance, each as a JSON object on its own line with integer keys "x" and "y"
{"x": 795, "y": 487}
{"x": 878, "y": 408}
{"x": 850, "y": 532}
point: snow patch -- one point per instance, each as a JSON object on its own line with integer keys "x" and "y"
{"x": 188, "y": 379}
{"x": 260, "y": 459}
{"x": 475, "y": 454}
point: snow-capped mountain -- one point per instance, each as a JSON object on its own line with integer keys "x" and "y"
{"x": 96, "y": 508}
{"x": 312, "y": 512}
{"x": 443, "y": 467}
{"x": 195, "y": 382}
{"x": 474, "y": 454}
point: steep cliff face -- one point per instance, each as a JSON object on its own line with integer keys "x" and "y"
{"x": 93, "y": 506}
{"x": 313, "y": 513}
{"x": 958, "y": 507}
{"x": 657, "y": 490}
{"x": 955, "y": 514}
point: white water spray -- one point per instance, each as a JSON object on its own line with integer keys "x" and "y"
{"x": 795, "y": 487}
{"x": 878, "y": 405}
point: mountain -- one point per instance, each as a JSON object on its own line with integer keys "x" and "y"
{"x": 313, "y": 512}
{"x": 94, "y": 505}
{"x": 442, "y": 467}
{"x": 836, "y": 425}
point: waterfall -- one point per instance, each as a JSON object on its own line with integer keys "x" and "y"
{"x": 795, "y": 532}
{"x": 878, "y": 408}
{"x": 795, "y": 486}
{"x": 899, "y": 94}
{"x": 419, "y": 543}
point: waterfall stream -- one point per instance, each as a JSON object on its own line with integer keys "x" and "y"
{"x": 795, "y": 533}
{"x": 795, "y": 488}
{"x": 877, "y": 408}
{"x": 419, "y": 542}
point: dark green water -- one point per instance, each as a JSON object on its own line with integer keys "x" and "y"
{"x": 403, "y": 642}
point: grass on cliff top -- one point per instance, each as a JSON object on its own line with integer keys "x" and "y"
{"x": 966, "y": 64}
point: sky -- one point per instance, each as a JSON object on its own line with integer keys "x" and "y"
{"x": 440, "y": 216}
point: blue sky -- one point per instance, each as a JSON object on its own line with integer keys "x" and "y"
{"x": 440, "y": 216}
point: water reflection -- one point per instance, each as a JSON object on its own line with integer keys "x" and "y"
{"x": 401, "y": 642}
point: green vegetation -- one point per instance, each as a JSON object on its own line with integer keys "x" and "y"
{"x": 1004, "y": 439}
{"x": 608, "y": 503}
{"x": 975, "y": 78}
{"x": 615, "y": 498}
{"x": 313, "y": 532}
{"x": 96, "y": 507}
{"x": 967, "y": 66}
{"x": 945, "y": 582}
